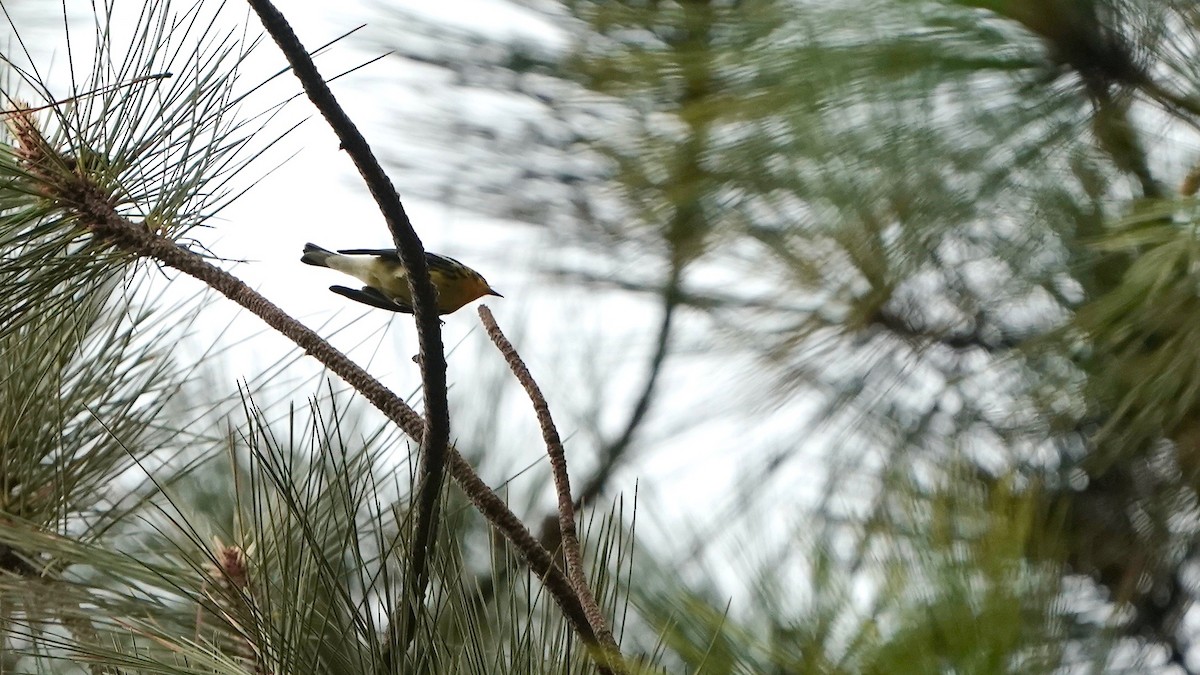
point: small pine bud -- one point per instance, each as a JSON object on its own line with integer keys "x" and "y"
{"x": 1191, "y": 182}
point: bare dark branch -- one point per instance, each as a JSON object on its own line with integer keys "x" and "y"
{"x": 412, "y": 254}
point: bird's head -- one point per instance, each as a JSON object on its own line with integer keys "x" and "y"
{"x": 452, "y": 296}
{"x": 482, "y": 288}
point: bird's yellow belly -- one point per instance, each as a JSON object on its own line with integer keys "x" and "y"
{"x": 393, "y": 285}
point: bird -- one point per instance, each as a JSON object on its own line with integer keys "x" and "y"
{"x": 386, "y": 278}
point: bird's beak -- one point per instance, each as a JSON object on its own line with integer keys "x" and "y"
{"x": 492, "y": 292}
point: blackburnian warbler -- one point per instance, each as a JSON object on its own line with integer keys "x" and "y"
{"x": 387, "y": 281}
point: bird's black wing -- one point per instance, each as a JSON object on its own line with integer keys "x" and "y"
{"x": 442, "y": 263}
{"x": 385, "y": 253}
{"x": 372, "y": 297}
{"x": 445, "y": 265}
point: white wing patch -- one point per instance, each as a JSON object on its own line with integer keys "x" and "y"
{"x": 360, "y": 267}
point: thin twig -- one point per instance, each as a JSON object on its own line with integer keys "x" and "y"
{"x": 436, "y": 438}
{"x": 903, "y": 328}
{"x": 562, "y": 484}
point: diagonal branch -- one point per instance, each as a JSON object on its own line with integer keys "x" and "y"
{"x": 412, "y": 254}
{"x": 562, "y": 484}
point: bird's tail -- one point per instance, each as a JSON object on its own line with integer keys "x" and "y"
{"x": 315, "y": 255}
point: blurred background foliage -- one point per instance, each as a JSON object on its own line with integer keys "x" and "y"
{"x": 944, "y": 251}
{"x": 961, "y": 232}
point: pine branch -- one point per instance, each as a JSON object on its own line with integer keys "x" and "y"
{"x": 562, "y": 484}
